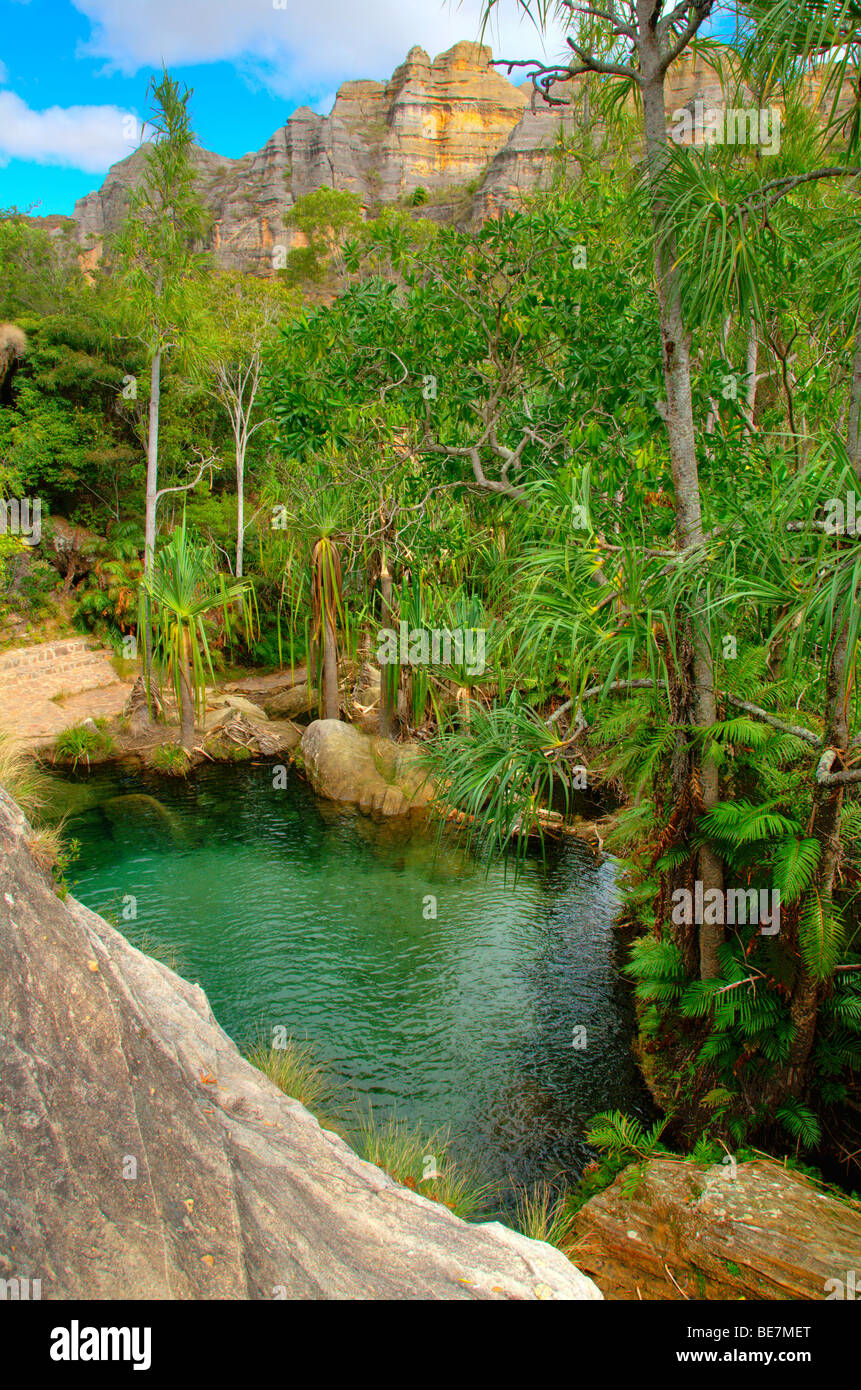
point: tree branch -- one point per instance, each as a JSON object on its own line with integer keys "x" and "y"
{"x": 796, "y": 730}
{"x": 826, "y": 778}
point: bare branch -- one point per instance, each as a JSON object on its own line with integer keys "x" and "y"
{"x": 797, "y": 730}
{"x": 701, "y": 11}
{"x": 186, "y": 487}
{"x": 614, "y": 687}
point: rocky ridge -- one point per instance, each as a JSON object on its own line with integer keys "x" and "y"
{"x": 453, "y": 126}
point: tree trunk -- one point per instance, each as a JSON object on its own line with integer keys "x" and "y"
{"x": 388, "y": 684}
{"x": 241, "y": 441}
{"x": 331, "y": 699}
{"x": 151, "y": 499}
{"x": 240, "y": 505}
{"x": 187, "y": 691}
{"x": 678, "y": 416}
{"x": 152, "y": 461}
{"x": 827, "y": 801}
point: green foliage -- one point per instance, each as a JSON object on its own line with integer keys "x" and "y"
{"x": 83, "y": 742}
{"x": 623, "y": 1136}
{"x": 171, "y": 759}
{"x": 326, "y": 219}
{"x": 183, "y": 589}
{"x": 800, "y": 1122}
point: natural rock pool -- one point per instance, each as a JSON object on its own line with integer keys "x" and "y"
{"x": 292, "y": 913}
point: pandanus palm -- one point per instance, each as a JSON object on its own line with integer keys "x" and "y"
{"x": 326, "y": 608}
{"x": 182, "y": 590}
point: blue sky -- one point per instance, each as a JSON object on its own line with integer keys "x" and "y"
{"x": 74, "y": 73}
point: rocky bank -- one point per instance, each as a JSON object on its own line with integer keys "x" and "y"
{"x": 142, "y": 1157}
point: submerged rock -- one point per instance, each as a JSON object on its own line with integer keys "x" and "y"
{"x": 142, "y": 1157}
{"x": 136, "y": 811}
{"x": 374, "y": 774}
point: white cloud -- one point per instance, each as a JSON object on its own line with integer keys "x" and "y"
{"x": 303, "y": 45}
{"x": 79, "y": 137}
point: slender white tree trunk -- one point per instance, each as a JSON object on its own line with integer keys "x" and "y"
{"x": 240, "y": 502}
{"x": 152, "y": 461}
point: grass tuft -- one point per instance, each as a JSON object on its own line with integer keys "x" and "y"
{"x": 171, "y": 759}
{"x": 544, "y": 1214}
{"x": 20, "y": 777}
{"x": 400, "y": 1149}
{"x": 80, "y": 743}
{"x": 407, "y": 1154}
{"x": 295, "y": 1071}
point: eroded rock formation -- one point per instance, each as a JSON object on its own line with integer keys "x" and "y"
{"x": 435, "y": 124}
{"x": 454, "y": 126}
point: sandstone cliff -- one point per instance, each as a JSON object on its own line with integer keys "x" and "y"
{"x": 452, "y": 124}
{"x": 436, "y": 124}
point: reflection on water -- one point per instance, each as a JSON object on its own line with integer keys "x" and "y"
{"x": 293, "y": 913}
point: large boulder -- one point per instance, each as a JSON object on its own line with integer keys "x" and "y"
{"x": 751, "y": 1230}
{"x": 240, "y": 704}
{"x": 374, "y": 774}
{"x": 142, "y": 1157}
{"x": 287, "y": 704}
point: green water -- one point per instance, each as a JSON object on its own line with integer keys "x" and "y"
{"x": 291, "y": 913}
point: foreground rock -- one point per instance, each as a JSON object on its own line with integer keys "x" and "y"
{"x": 142, "y": 1157}
{"x": 378, "y": 776}
{"x": 756, "y": 1231}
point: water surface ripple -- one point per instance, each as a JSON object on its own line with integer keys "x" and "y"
{"x": 292, "y": 913}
